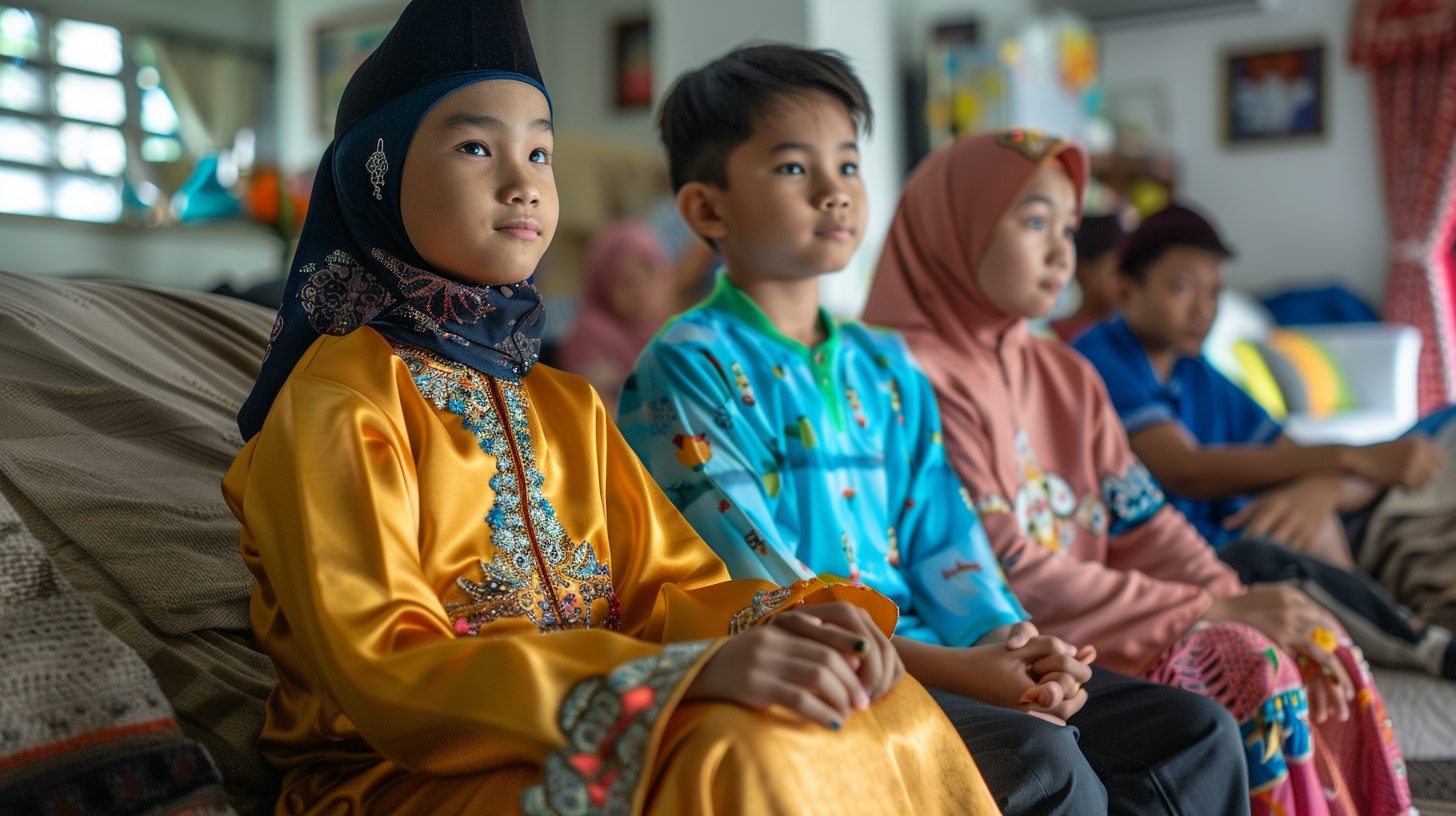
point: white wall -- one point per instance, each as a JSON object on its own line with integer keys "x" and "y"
{"x": 187, "y": 257}
{"x": 690, "y": 33}
{"x": 576, "y": 49}
{"x": 1301, "y": 213}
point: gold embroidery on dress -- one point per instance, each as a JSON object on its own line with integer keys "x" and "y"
{"x": 537, "y": 572}
{"x": 765, "y": 602}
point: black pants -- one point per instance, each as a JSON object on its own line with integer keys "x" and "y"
{"x": 1379, "y": 625}
{"x": 1261, "y": 561}
{"x": 1135, "y": 747}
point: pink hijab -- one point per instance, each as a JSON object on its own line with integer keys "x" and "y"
{"x": 603, "y": 347}
{"x": 1080, "y": 527}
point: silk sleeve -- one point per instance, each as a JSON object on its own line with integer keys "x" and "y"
{"x": 330, "y": 512}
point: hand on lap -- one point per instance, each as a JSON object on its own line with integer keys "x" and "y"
{"x": 1300, "y": 627}
{"x": 1300, "y": 515}
{"x": 769, "y": 665}
{"x": 824, "y": 662}
{"x": 851, "y": 631}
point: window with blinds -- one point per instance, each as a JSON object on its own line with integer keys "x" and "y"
{"x": 78, "y": 104}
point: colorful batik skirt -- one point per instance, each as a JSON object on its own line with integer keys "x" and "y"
{"x": 1351, "y": 768}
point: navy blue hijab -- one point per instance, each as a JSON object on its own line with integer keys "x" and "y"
{"x": 355, "y": 266}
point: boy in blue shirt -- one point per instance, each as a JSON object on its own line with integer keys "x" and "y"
{"x": 1226, "y": 464}
{"x": 796, "y": 445}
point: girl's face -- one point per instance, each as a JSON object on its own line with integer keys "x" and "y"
{"x": 477, "y": 195}
{"x": 642, "y": 292}
{"x": 1031, "y": 256}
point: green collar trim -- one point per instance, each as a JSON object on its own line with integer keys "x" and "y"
{"x": 728, "y": 298}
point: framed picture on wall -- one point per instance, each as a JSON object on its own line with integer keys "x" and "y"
{"x": 633, "y": 74}
{"x": 343, "y": 43}
{"x": 1274, "y": 94}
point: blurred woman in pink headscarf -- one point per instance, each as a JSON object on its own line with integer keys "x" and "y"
{"x": 628, "y": 294}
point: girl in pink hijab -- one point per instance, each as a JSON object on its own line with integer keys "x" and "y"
{"x": 628, "y": 295}
{"x": 983, "y": 240}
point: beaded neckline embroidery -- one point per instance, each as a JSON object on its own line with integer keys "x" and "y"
{"x": 537, "y": 572}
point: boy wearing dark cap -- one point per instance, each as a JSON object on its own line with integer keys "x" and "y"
{"x": 1225, "y": 463}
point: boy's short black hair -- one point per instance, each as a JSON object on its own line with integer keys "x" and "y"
{"x": 1175, "y": 226}
{"x": 713, "y": 110}
{"x": 1098, "y": 235}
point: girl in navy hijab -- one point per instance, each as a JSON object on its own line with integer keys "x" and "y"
{"x": 476, "y": 598}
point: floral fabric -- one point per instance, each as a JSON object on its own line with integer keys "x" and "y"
{"x": 1295, "y": 767}
{"x": 791, "y": 461}
{"x": 536, "y": 572}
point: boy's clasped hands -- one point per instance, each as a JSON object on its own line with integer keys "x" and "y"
{"x": 827, "y": 661}
{"x": 1039, "y": 674}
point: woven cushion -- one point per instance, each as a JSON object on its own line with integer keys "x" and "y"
{"x": 84, "y": 729}
{"x": 120, "y": 407}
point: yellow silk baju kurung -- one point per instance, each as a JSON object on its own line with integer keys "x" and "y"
{"x": 478, "y": 601}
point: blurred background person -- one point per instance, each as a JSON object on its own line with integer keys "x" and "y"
{"x": 1099, "y": 237}
{"x": 628, "y": 292}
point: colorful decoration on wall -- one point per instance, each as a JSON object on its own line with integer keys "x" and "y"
{"x": 1045, "y": 76}
{"x": 1078, "y": 58}
{"x": 1274, "y": 94}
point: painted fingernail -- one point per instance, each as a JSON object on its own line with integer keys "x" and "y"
{"x": 834, "y": 724}
{"x": 860, "y": 647}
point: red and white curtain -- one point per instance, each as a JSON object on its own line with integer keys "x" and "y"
{"x": 1409, "y": 47}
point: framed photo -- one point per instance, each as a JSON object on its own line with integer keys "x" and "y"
{"x": 1274, "y": 95}
{"x": 633, "y": 74}
{"x": 343, "y": 44}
